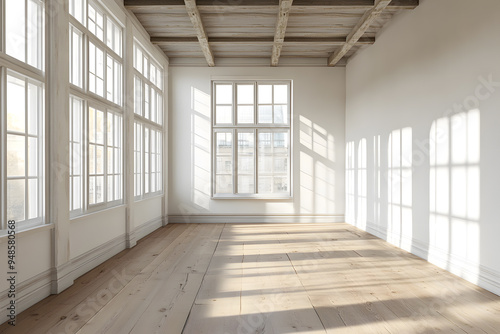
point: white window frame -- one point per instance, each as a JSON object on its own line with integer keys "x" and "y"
{"x": 12, "y": 66}
{"x": 143, "y": 119}
{"x": 102, "y": 103}
{"x": 254, "y": 127}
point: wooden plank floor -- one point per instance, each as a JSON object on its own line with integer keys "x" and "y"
{"x": 264, "y": 278}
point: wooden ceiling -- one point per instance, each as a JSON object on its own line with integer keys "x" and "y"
{"x": 270, "y": 30}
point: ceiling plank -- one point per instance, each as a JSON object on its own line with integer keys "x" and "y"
{"x": 195, "y": 17}
{"x": 257, "y": 40}
{"x": 355, "y": 4}
{"x": 358, "y": 31}
{"x": 279, "y": 34}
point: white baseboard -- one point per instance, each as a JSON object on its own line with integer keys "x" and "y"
{"x": 64, "y": 276}
{"x": 28, "y": 293}
{"x": 256, "y": 219}
{"x": 475, "y": 273}
{"x": 148, "y": 227}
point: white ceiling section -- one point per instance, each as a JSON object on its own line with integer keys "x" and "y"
{"x": 277, "y": 32}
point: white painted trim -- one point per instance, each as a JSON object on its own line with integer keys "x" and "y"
{"x": 145, "y": 229}
{"x": 64, "y": 276}
{"x": 26, "y": 232}
{"x": 475, "y": 273}
{"x": 28, "y": 293}
{"x": 258, "y": 219}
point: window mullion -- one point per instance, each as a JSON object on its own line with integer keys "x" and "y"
{"x": 26, "y": 150}
{"x": 235, "y": 161}
{"x": 255, "y": 159}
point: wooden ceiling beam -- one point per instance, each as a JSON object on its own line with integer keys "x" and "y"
{"x": 260, "y": 40}
{"x": 195, "y": 17}
{"x": 358, "y": 31}
{"x": 355, "y": 4}
{"x": 280, "y": 30}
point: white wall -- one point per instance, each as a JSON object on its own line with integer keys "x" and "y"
{"x": 425, "y": 76}
{"x": 318, "y": 143}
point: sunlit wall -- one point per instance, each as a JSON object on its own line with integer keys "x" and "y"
{"x": 426, "y": 99}
{"x": 318, "y": 124}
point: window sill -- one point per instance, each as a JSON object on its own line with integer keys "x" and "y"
{"x": 249, "y": 197}
{"x": 24, "y": 232}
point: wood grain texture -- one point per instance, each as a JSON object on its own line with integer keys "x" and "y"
{"x": 240, "y": 29}
{"x": 264, "y": 278}
{"x": 195, "y": 17}
{"x": 359, "y": 29}
{"x": 279, "y": 34}
{"x": 363, "y": 4}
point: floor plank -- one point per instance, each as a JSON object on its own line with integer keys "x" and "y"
{"x": 264, "y": 278}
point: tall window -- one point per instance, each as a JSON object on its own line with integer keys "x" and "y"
{"x": 251, "y": 137}
{"x": 96, "y": 136}
{"x": 148, "y": 128}
{"x": 22, "y": 81}
{"x": 24, "y": 31}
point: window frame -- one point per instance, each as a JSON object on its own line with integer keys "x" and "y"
{"x": 87, "y": 206}
{"x": 254, "y": 127}
{"x": 102, "y": 103}
{"x": 9, "y": 65}
{"x": 145, "y": 121}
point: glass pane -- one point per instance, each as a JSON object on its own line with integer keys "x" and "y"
{"x": 223, "y": 94}
{"x": 224, "y": 184}
{"x": 35, "y": 34}
{"x": 99, "y": 134}
{"x": 138, "y": 59}
{"x": 265, "y": 93}
{"x": 91, "y": 159}
{"x": 110, "y": 161}
{"x": 32, "y": 199}
{"x": 245, "y": 94}
{"x": 33, "y": 156}
{"x": 224, "y": 143}
{"x": 223, "y": 114}
{"x": 280, "y": 114}
{"x": 146, "y": 101}
{"x": 75, "y": 58}
{"x": 15, "y": 29}
{"x": 76, "y": 193}
{"x": 265, "y": 184}
{"x": 118, "y": 187}
{"x": 76, "y": 154}
{"x": 245, "y": 114}
{"x": 76, "y": 9}
{"x": 224, "y": 164}
{"x": 15, "y": 200}
{"x": 280, "y": 164}
{"x": 16, "y": 156}
{"x": 110, "y": 130}
{"x": 246, "y": 153}
{"x": 281, "y": 143}
{"x": 280, "y": 184}
{"x": 92, "y": 112}
{"x": 110, "y": 192}
{"x": 137, "y": 96}
{"x": 265, "y": 142}
{"x": 246, "y": 184}
{"x": 281, "y": 94}
{"x": 16, "y": 106}
{"x": 34, "y": 102}
{"x": 99, "y": 189}
{"x": 92, "y": 190}
{"x": 109, "y": 79}
{"x": 99, "y": 152}
{"x": 265, "y": 114}
{"x": 265, "y": 163}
